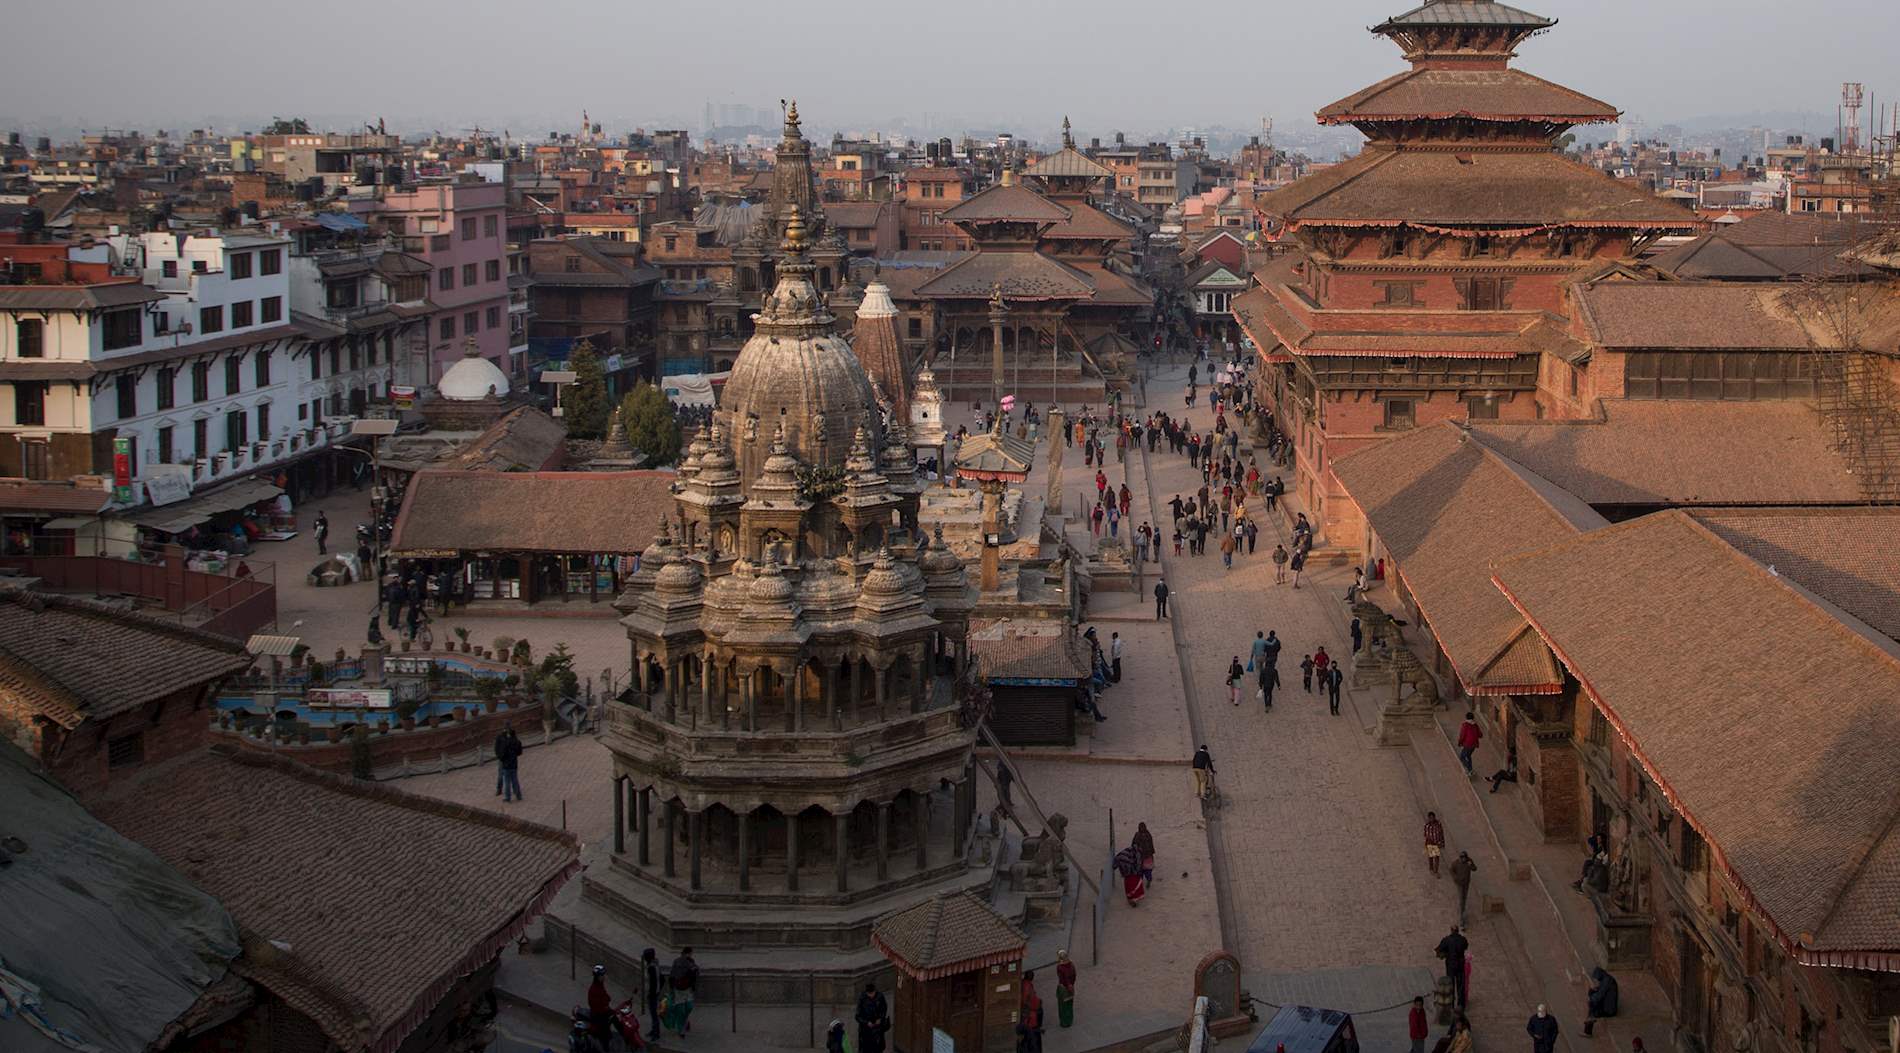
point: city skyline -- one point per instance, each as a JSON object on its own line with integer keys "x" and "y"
{"x": 1054, "y": 56}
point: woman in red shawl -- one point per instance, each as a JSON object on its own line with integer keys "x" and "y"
{"x": 1128, "y": 865}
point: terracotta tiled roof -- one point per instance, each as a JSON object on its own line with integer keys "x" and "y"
{"x": 951, "y": 933}
{"x": 362, "y": 906}
{"x": 1700, "y": 315}
{"x": 1769, "y": 722}
{"x": 1494, "y": 94}
{"x": 1022, "y": 276}
{"x": 52, "y": 497}
{"x": 1425, "y": 493}
{"x": 1384, "y": 185}
{"x": 1745, "y": 453}
{"x": 1843, "y": 555}
{"x": 600, "y": 513}
{"x": 1028, "y": 647}
{"x": 72, "y": 659}
{"x": 1007, "y": 201}
{"x": 1770, "y": 246}
{"x": 1068, "y": 163}
{"x": 855, "y": 213}
{"x": 1087, "y": 221}
{"x": 526, "y": 439}
{"x": 76, "y": 297}
{"x": 1113, "y": 287}
{"x": 1464, "y": 13}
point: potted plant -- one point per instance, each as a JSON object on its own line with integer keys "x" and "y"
{"x": 316, "y": 673}
{"x": 460, "y": 713}
{"x": 461, "y": 635}
{"x": 406, "y": 713}
{"x": 382, "y": 727}
{"x": 504, "y": 645}
{"x": 523, "y": 653}
{"x": 488, "y": 691}
{"x": 334, "y": 734}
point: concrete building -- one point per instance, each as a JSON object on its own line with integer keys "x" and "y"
{"x": 457, "y": 228}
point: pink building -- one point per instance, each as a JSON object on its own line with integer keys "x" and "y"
{"x": 460, "y": 228}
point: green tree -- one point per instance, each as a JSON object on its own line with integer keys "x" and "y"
{"x": 585, "y": 401}
{"x": 651, "y": 427}
{"x": 293, "y": 126}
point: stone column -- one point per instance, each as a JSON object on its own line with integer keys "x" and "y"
{"x": 790, "y": 686}
{"x": 671, "y": 688}
{"x": 747, "y": 685}
{"x": 857, "y": 684}
{"x": 881, "y": 683}
{"x": 695, "y": 835}
{"x": 791, "y": 851}
{"x": 620, "y": 818}
{"x": 917, "y": 680}
{"x": 672, "y": 834}
{"x": 883, "y": 840}
{"x": 831, "y": 696}
{"x": 922, "y": 802}
{"x": 963, "y": 813}
{"x": 745, "y": 851}
{"x": 798, "y": 696}
{"x": 645, "y": 813}
{"x": 706, "y": 688}
{"x": 843, "y": 849}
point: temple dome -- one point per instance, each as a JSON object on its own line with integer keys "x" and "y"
{"x": 770, "y": 589}
{"x": 471, "y": 379}
{"x": 797, "y": 373}
{"x": 677, "y": 577}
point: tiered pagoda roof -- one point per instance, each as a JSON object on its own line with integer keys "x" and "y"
{"x": 1477, "y": 94}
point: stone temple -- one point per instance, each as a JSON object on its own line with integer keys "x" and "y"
{"x": 792, "y": 764}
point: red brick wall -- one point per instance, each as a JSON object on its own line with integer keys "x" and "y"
{"x": 78, "y": 759}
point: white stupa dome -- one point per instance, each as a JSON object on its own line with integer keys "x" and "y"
{"x": 472, "y": 379}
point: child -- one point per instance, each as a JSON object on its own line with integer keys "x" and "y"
{"x": 1177, "y": 538}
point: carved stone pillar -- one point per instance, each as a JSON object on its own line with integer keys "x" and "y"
{"x": 883, "y": 840}
{"x": 842, "y": 849}
{"x": 791, "y": 851}
{"x": 646, "y": 824}
{"x": 832, "y": 705}
{"x": 620, "y": 818}
{"x": 672, "y": 835}
{"x": 745, "y": 851}
{"x": 922, "y": 819}
{"x": 696, "y": 836}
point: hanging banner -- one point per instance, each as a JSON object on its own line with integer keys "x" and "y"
{"x": 122, "y": 471}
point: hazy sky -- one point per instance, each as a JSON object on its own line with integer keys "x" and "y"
{"x": 1138, "y": 65}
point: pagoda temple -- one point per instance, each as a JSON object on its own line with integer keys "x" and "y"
{"x": 1428, "y": 274}
{"x": 790, "y": 763}
{"x": 1071, "y": 306}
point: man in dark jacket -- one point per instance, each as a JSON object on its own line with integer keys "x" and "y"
{"x": 650, "y": 987}
{"x": 874, "y": 1019}
{"x": 1603, "y": 998}
{"x": 1161, "y": 600}
{"x": 508, "y": 760}
{"x": 1452, "y": 949}
{"x": 1543, "y": 1031}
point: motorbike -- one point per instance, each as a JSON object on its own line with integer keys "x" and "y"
{"x": 627, "y": 1020}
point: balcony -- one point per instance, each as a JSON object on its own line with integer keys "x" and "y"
{"x": 640, "y": 731}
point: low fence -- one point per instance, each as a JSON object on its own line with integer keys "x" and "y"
{"x": 396, "y": 752}
{"x": 218, "y": 602}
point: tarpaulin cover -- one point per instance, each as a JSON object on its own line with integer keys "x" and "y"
{"x": 118, "y": 943}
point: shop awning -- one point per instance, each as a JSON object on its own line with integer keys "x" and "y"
{"x": 189, "y": 513}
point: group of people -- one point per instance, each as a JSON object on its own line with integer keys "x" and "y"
{"x": 1136, "y": 865}
{"x": 666, "y": 993}
{"x": 1318, "y": 672}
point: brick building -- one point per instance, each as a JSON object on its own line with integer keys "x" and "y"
{"x": 602, "y": 291}
{"x": 1411, "y": 298}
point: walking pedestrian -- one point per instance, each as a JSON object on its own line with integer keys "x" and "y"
{"x": 1029, "y": 1026}
{"x": 1127, "y": 498}
{"x": 1234, "y": 675}
{"x": 1461, "y": 870}
{"x": 1144, "y": 846}
{"x": 1452, "y": 949}
{"x": 1269, "y": 677}
{"x": 1417, "y": 1027}
{"x": 1434, "y": 841}
{"x": 1297, "y": 564}
{"x": 650, "y": 987}
{"x": 683, "y": 979}
{"x": 1161, "y": 587}
{"x": 1065, "y": 990}
{"x": 507, "y": 766}
{"x": 1321, "y": 664}
{"x": 1543, "y": 1031}
{"x": 1334, "y": 678}
{"x": 1306, "y": 673}
{"x": 1272, "y": 649}
{"x": 1468, "y": 738}
{"x": 1279, "y": 564}
{"x": 1203, "y": 767}
{"x": 1227, "y": 551}
{"x": 322, "y": 530}
{"x": 1115, "y": 656}
{"x": 1253, "y": 534}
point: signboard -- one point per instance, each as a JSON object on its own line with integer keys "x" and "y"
{"x": 167, "y": 483}
{"x": 122, "y": 471}
{"x": 613, "y": 363}
{"x": 941, "y": 1042}
{"x": 347, "y": 698}
{"x": 411, "y": 666}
